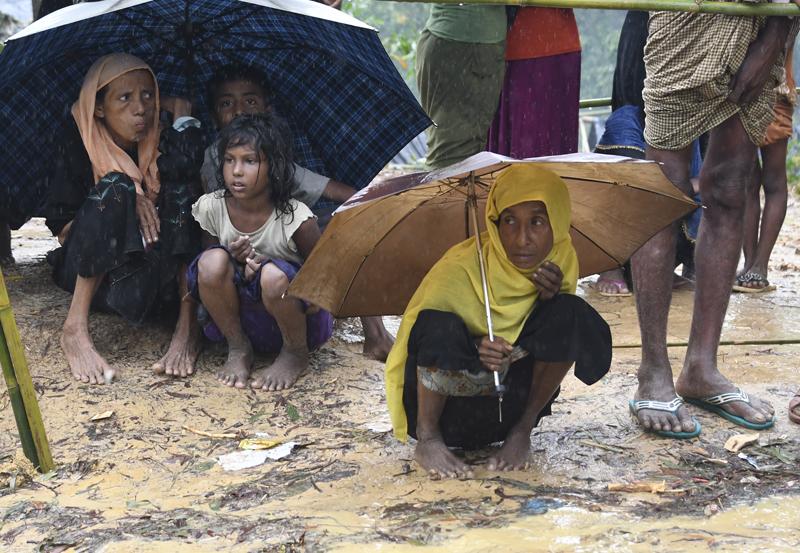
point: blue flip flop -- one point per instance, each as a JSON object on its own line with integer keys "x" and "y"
{"x": 668, "y": 407}
{"x": 714, "y": 405}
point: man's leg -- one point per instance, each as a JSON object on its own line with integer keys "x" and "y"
{"x": 431, "y": 453}
{"x": 546, "y": 379}
{"x": 723, "y": 182}
{"x": 653, "y": 268}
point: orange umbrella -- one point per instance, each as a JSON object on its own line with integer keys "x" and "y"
{"x": 382, "y": 242}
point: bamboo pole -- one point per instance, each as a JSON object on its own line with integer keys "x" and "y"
{"x": 693, "y": 6}
{"x": 20, "y": 388}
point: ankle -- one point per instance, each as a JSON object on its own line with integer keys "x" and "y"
{"x": 427, "y": 434}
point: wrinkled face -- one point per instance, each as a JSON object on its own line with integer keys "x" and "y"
{"x": 128, "y": 107}
{"x": 234, "y": 98}
{"x": 526, "y": 234}
{"x": 245, "y": 172}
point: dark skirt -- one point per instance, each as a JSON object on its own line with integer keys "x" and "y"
{"x": 105, "y": 240}
{"x": 257, "y": 323}
{"x": 538, "y": 111}
{"x": 563, "y": 329}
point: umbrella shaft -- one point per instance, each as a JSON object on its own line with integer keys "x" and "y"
{"x": 473, "y": 210}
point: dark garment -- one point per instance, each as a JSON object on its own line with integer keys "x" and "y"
{"x": 538, "y": 111}
{"x": 105, "y": 238}
{"x": 259, "y": 325}
{"x": 629, "y": 73}
{"x": 563, "y": 329}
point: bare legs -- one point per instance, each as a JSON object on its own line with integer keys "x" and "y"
{"x": 220, "y": 297}
{"x": 431, "y": 452}
{"x": 85, "y": 363}
{"x": 758, "y": 246}
{"x": 722, "y": 186}
{"x": 377, "y": 340}
{"x": 434, "y": 456}
{"x": 293, "y": 358}
{"x": 514, "y": 454}
{"x": 184, "y": 348}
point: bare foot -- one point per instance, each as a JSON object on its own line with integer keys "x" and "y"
{"x": 514, "y": 453}
{"x": 181, "y": 355}
{"x": 434, "y": 456}
{"x": 283, "y": 373}
{"x": 659, "y": 387}
{"x": 236, "y": 369}
{"x": 377, "y": 340}
{"x": 612, "y": 283}
{"x": 794, "y": 408}
{"x": 699, "y": 384}
{"x": 86, "y": 364}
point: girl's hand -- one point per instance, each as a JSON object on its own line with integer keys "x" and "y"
{"x": 252, "y": 265}
{"x": 241, "y": 249}
{"x": 492, "y": 354}
{"x": 548, "y": 279}
{"x": 149, "y": 223}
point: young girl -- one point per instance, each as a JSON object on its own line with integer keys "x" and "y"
{"x": 257, "y": 238}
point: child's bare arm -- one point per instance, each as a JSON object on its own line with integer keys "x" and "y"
{"x": 306, "y": 237}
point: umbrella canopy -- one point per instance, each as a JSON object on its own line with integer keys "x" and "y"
{"x": 382, "y": 242}
{"x": 329, "y": 75}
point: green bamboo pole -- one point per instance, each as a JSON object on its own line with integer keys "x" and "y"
{"x": 20, "y": 388}
{"x": 694, "y": 6}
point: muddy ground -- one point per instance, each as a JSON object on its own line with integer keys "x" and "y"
{"x": 138, "y": 481}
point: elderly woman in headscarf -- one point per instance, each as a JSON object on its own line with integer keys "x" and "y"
{"x": 439, "y": 381}
{"x": 121, "y": 210}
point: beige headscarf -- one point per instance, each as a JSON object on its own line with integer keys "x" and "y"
{"x": 103, "y": 152}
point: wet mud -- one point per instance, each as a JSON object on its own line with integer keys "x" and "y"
{"x": 139, "y": 481}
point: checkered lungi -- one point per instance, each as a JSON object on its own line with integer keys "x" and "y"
{"x": 691, "y": 60}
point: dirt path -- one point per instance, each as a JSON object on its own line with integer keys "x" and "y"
{"x": 138, "y": 481}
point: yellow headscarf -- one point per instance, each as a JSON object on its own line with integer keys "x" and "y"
{"x": 103, "y": 152}
{"x": 454, "y": 283}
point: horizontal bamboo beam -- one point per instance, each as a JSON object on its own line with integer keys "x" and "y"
{"x": 693, "y": 6}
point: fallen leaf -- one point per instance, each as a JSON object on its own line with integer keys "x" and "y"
{"x": 102, "y": 416}
{"x": 739, "y": 441}
{"x": 258, "y": 443}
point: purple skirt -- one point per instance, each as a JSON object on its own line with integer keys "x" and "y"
{"x": 538, "y": 112}
{"x": 259, "y": 326}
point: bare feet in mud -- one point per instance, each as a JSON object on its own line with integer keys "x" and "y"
{"x": 514, "y": 453}
{"x": 377, "y": 340}
{"x": 85, "y": 363}
{"x": 696, "y": 385}
{"x": 182, "y": 354}
{"x": 283, "y": 373}
{"x": 657, "y": 388}
{"x": 236, "y": 370}
{"x": 439, "y": 462}
{"x": 794, "y": 408}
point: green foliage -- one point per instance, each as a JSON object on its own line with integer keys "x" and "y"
{"x": 399, "y": 25}
{"x": 599, "y": 36}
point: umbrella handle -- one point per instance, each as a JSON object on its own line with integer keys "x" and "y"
{"x": 473, "y": 210}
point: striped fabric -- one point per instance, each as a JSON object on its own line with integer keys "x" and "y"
{"x": 690, "y": 61}
{"x": 349, "y": 108}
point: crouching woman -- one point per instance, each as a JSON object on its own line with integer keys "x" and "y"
{"x": 439, "y": 375}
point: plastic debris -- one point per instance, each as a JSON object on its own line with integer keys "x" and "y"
{"x": 249, "y": 458}
{"x": 102, "y": 416}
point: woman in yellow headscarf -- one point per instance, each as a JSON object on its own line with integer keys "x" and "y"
{"x": 120, "y": 207}
{"x": 439, "y": 384}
